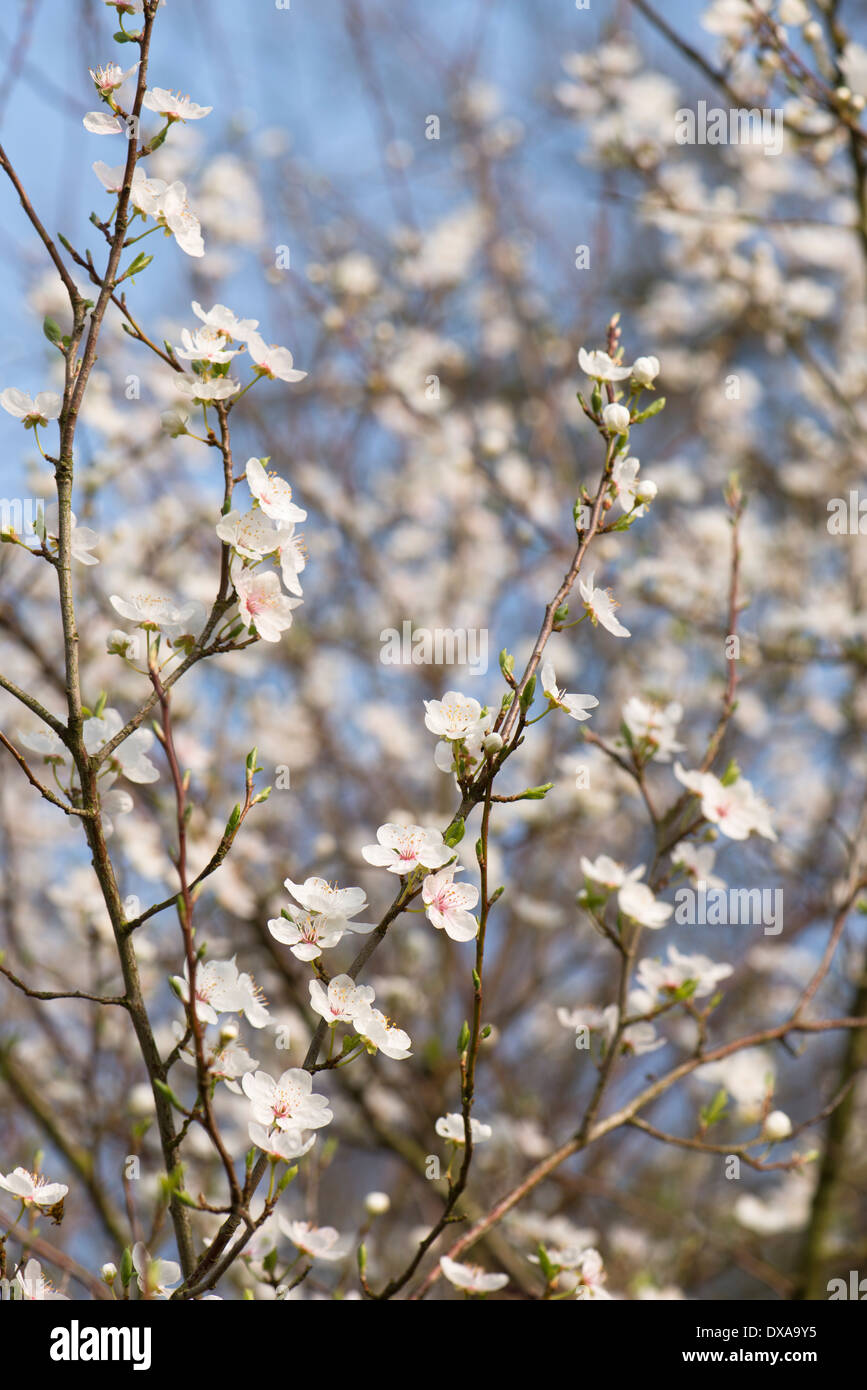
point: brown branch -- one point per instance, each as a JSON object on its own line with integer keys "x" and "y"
{"x": 34, "y": 782}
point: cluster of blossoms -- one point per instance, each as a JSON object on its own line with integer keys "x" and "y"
{"x": 346, "y": 1002}
{"x": 634, "y": 899}
{"x": 731, "y": 804}
{"x": 129, "y": 759}
{"x": 166, "y": 203}
{"x": 407, "y": 849}
{"x": 321, "y": 919}
{"x": 265, "y": 531}
{"x": 211, "y": 351}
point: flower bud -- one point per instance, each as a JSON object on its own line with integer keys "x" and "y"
{"x": 228, "y": 1033}
{"x": 377, "y": 1203}
{"x": 644, "y": 369}
{"x": 174, "y": 422}
{"x": 777, "y": 1125}
{"x": 493, "y": 743}
{"x": 118, "y": 643}
{"x": 140, "y": 1100}
{"x": 646, "y": 490}
{"x": 793, "y": 12}
{"x": 616, "y": 418}
{"x": 108, "y": 1273}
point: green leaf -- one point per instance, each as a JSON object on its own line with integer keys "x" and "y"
{"x": 653, "y": 409}
{"x": 51, "y": 330}
{"x": 535, "y": 793}
{"x": 141, "y": 262}
{"x": 713, "y": 1113}
{"x": 731, "y": 774}
{"x": 686, "y": 990}
{"x": 463, "y": 1037}
{"x": 126, "y": 1266}
{"x": 455, "y": 832}
{"x": 549, "y": 1269}
{"x": 166, "y": 1090}
{"x": 507, "y": 662}
{"x": 528, "y": 692}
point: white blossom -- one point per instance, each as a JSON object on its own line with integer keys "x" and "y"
{"x": 471, "y": 1278}
{"x": 601, "y": 367}
{"x": 577, "y": 706}
{"x": 46, "y": 406}
{"x": 600, "y": 605}
{"x": 447, "y": 904}
{"x": 402, "y": 848}
{"x": 451, "y": 1127}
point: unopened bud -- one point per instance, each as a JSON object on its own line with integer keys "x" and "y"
{"x": 377, "y": 1203}
{"x": 645, "y": 369}
{"x": 616, "y": 418}
{"x": 777, "y": 1125}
